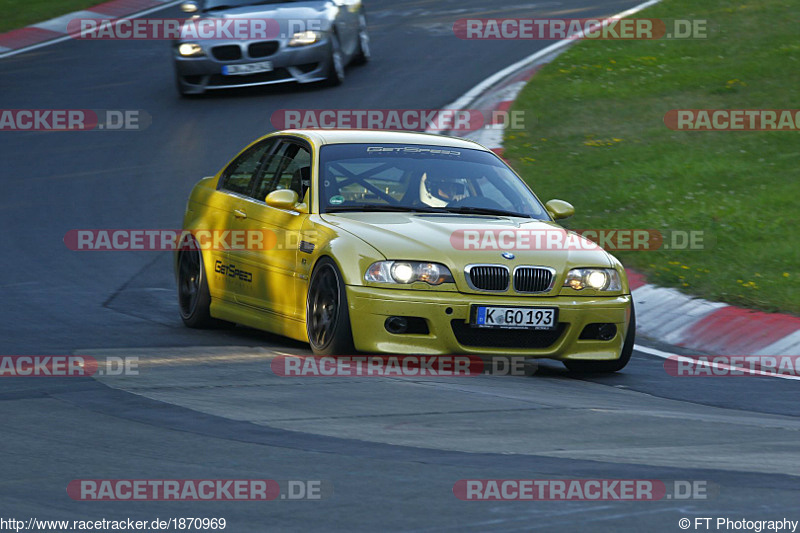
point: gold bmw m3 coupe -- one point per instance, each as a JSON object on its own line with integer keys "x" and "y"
{"x": 403, "y": 243}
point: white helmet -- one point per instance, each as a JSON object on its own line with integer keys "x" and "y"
{"x": 439, "y": 192}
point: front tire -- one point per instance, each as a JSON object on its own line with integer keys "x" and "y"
{"x": 335, "y": 63}
{"x": 364, "y": 53}
{"x": 608, "y": 367}
{"x": 185, "y": 90}
{"x": 327, "y": 314}
{"x": 182, "y": 92}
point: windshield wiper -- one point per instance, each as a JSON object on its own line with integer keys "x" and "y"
{"x": 216, "y": 8}
{"x": 483, "y": 211}
{"x": 382, "y": 208}
{"x": 264, "y": 2}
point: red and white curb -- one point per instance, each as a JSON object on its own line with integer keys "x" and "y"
{"x": 663, "y": 314}
{"x": 670, "y": 316}
{"x": 55, "y": 30}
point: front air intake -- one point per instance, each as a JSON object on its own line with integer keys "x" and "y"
{"x": 533, "y": 279}
{"x": 488, "y": 277}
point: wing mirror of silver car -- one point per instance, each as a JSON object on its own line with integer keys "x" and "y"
{"x": 190, "y": 7}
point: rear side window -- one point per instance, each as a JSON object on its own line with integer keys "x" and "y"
{"x": 240, "y": 175}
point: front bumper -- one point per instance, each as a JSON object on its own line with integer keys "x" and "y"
{"x": 450, "y": 333}
{"x": 303, "y": 64}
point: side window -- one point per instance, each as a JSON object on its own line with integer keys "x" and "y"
{"x": 271, "y": 166}
{"x": 290, "y": 175}
{"x": 288, "y": 168}
{"x": 239, "y": 175}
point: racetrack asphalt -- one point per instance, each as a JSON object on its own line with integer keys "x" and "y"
{"x": 391, "y": 448}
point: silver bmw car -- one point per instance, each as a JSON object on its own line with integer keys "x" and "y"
{"x": 272, "y": 41}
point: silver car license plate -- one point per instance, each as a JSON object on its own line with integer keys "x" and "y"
{"x": 248, "y": 68}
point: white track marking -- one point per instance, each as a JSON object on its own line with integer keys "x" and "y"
{"x": 667, "y": 355}
{"x": 67, "y": 37}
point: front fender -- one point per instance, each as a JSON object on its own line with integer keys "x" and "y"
{"x": 351, "y": 254}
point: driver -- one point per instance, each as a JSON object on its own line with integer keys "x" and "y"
{"x": 437, "y": 191}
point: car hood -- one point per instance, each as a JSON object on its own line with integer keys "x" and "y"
{"x": 312, "y": 10}
{"x": 440, "y": 238}
{"x": 282, "y": 20}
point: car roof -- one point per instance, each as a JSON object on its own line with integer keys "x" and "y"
{"x": 325, "y": 136}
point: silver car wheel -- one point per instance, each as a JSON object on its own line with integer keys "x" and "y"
{"x": 363, "y": 40}
{"x": 336, "y": 66}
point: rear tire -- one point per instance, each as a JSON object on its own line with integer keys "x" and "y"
{"x": 194, "y": 299}
{"x": 327, "y": 313}
{"x": 608, "y": 367}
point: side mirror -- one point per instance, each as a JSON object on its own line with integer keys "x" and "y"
{"x": 286, "y": 199}
{"x": 559, "y": 209}
{"x": 189, "y": 7}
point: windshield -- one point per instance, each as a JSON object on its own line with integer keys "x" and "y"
{"x": 396, "y": 177}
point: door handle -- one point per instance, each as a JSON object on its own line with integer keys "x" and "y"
{"x": 238, "y": 213}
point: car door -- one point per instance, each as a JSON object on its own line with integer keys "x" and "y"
{"x": 274, "y": 284}
{"x": 235, "y": 184}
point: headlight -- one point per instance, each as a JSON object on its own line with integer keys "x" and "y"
{"x": 599, "y": 279}
{"x": 405, "y": 272}
{"x": 190, "y": 50}
{"x": 304, "y": 38}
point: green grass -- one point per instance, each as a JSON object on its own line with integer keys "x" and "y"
{"x": 21, "y": 13}
{"x": 599, "y": 142}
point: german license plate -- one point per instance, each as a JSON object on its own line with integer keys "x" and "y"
{"x": 540, "y": 318}
{"x": 249, "y": 68}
